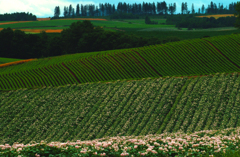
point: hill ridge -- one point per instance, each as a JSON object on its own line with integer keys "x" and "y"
{"x": 183, "y": 58}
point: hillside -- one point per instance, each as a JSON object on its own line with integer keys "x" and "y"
{"x": 137, "y": 107}
{"x": 7, "y": 60}
{"x": 182, "y": 58}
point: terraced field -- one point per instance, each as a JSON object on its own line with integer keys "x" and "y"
{"x": 183, "y": 58}
{"x": 137, "y": 107}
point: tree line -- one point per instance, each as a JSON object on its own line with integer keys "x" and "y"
{"x": 80, "y": 37}
{"x": 18, "y": 17}
{"x": 190, "y": 22}
{"x": 140, "y": 9}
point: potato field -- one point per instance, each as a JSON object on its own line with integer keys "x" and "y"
{"x": 142, "y": 107}
{"x": 176, "y": 99}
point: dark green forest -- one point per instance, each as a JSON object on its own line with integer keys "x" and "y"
{"x": 80, "y": 37}
{"x": 190, "y": 22}
{"x": 18, "y": 17}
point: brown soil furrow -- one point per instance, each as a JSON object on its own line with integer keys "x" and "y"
{"x": 71, "y": 73}
{"x": 7, "y": 80}
{"x": 30, "y": 82}
{"x": 173, "y": 60}
{"x": 223, "y": 54}
{"x": 58, "y": 76}
{"x": 58, "y": 82}
{"x": 96, "y": 69}
{"x": 119, "y": 64}
{"x": 147, "y": 63}
{"x": 92, "y": 72}
{"x": 17, "y": 79}
{"x": 3, "y": 85}
{"x": 45, "y": 75}
{"x": 139, "y": 63}
{"x": 37, "y": 79}
{"x": 235, "y": 40}
{"x": 39, "y": 76}
{"x": 196, "y": 56}
{"x": 114, "y": 65}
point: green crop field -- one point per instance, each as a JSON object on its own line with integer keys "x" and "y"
{"x": 175, "y": 99}
{"x": 7, "y": 60}
{"x": 120, "y": 108}
{"x": 137, "y": 27}
{"x": 182, "y": 58}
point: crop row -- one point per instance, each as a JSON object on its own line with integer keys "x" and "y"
{"x": 183, "y": 58}
{"x": 140, "y": 107}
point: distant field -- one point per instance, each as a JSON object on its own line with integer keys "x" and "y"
{"x": 7, "y": 60}
{"x": 216, "y": 16}
{"x": 141, "y": 21}
{"x": 185, "y": 29}
{"x": 138, "y": 27}
{"x": 12, "y": 22}
{"x": 183, "y": 58}
{"x": 6, "y": 21}
{"x": 43, "y": 19}
{"x": 50, "y": 23}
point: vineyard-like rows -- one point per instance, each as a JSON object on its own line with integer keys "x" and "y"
{"x": 140, "y": 107}
{"x": 188, "y": 57}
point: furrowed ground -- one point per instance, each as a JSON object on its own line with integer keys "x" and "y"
{"x": 120, "y": 108}
{"x": 122, "y": 94}
{"x": 183, "y": 58}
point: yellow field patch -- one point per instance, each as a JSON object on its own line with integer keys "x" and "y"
{"x": 43, "y": 19}
{"x": 216, "y": 16}
{"x": 14, "y": 22}
{"x": 39, "y": 30}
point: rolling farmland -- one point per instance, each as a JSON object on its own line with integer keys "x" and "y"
{"x": 152, "y": 100}
{"x": 184, "y": 58}
{"x": 121, "y": 108}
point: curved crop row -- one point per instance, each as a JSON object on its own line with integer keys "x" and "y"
{"x": 137, "y": 107}
{"x": 183, "y": 58}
